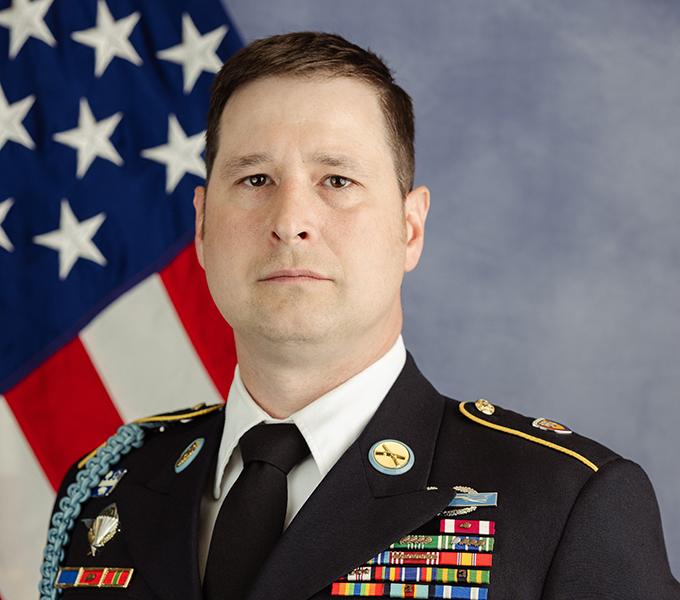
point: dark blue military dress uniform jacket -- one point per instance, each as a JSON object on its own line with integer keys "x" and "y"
{"x": 573, "y": 520}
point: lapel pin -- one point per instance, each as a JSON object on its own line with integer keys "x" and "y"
{"x": 108, "y": 483}
{"x": 189, "y": 454}
{"x": 391, "y": 457}
{"x": 102, "y": 529}
{"x": 548, "y": 425}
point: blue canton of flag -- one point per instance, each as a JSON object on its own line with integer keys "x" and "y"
{"x": 102, "y": 120}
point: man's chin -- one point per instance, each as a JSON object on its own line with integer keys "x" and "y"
{"x": 292, "y": 330}
{"x": 294, "y": 335}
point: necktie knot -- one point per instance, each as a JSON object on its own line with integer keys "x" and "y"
{"x": 281, "y": 445}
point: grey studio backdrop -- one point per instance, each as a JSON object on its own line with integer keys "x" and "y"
{"x": 549, "y": 135}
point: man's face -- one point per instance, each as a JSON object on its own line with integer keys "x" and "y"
{"x": 304, "y": 178}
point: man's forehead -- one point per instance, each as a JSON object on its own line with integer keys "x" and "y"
{"x": 334, "y": 121}
{"x": 258, "y": 102}
{"x": 310, "y": 81}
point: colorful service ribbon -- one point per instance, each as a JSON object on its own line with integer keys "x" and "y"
{"x": 467, "y": 526}
{"x": 466, "y": 543}
{"x": 408, "y": 590}
{"x": 418, "y": 574}
{"x": 414, "y": 557}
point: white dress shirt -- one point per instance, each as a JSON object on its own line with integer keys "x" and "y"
{"x": 329, "y": 425}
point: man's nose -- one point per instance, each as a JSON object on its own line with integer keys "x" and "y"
{"x": 292, "y": 214}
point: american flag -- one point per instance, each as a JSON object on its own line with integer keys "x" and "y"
{"x": 105, "y": 315}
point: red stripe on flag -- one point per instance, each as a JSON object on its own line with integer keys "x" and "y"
{"x": 63, "y": 409}
{"x": 210, "y": 334}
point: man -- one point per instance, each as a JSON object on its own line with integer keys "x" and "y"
{"x": 335, "y": 468}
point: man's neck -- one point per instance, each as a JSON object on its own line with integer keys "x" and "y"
{"x": 282, "y": 387}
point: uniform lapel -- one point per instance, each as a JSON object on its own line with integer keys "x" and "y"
{"x": 162, "y": 514}
{"x": 356, "y": 511}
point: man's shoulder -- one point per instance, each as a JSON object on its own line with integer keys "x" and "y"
{"x": 490, "y": 430}
{"x": 163, "y": 422}
{"x": 133, "y": 436}
{"x": 147, "y": 451}
{"x": 535, "y": 468}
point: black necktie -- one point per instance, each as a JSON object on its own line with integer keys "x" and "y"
{"x": 252, "y": 515}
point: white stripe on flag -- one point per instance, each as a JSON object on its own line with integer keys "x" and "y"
{"x": 25, "y": 505}
{"x": 144, "y": 356}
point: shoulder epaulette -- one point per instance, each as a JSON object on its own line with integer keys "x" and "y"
{"x": 183, "y": 415}
{"x": 539, "y": 431}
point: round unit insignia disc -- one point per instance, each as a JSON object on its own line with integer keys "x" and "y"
{"x": 391, "y": 457}
{"x": 547, "y": 425}
{"x": 189, "y": 454}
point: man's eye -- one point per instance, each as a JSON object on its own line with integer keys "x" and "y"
{"x": 255, "y": 180}
{"x": 338, "y": 181}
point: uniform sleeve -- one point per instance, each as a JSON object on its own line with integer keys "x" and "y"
{"x": 612, "y": 547}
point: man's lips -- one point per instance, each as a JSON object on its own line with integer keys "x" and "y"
{"x": 294, "y": 274}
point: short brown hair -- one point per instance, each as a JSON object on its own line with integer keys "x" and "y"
{"x": 309, "y": 53}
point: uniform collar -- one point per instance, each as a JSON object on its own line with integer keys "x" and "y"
{"x": 329, "y": 424}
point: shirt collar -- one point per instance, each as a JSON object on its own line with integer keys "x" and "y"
{"x": 329, "y": 425}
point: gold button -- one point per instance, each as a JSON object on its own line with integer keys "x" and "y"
{"x": 391, "y": 455}
{"x": 484, "y": 406}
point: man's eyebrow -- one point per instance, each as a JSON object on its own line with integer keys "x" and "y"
{"x": 244, "y": 161}
{"x": 341, "y": 161}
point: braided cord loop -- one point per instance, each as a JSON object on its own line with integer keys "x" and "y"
{"x": 125, "y": 439}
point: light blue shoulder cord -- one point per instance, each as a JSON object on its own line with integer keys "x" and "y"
{"x": 125, "y": 439}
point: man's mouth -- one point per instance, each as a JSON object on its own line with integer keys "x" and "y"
{"x": 295, "y": 275}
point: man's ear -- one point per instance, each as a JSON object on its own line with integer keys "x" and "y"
{"x": 416, "y": 205}
{"x": 199, "y": 206}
